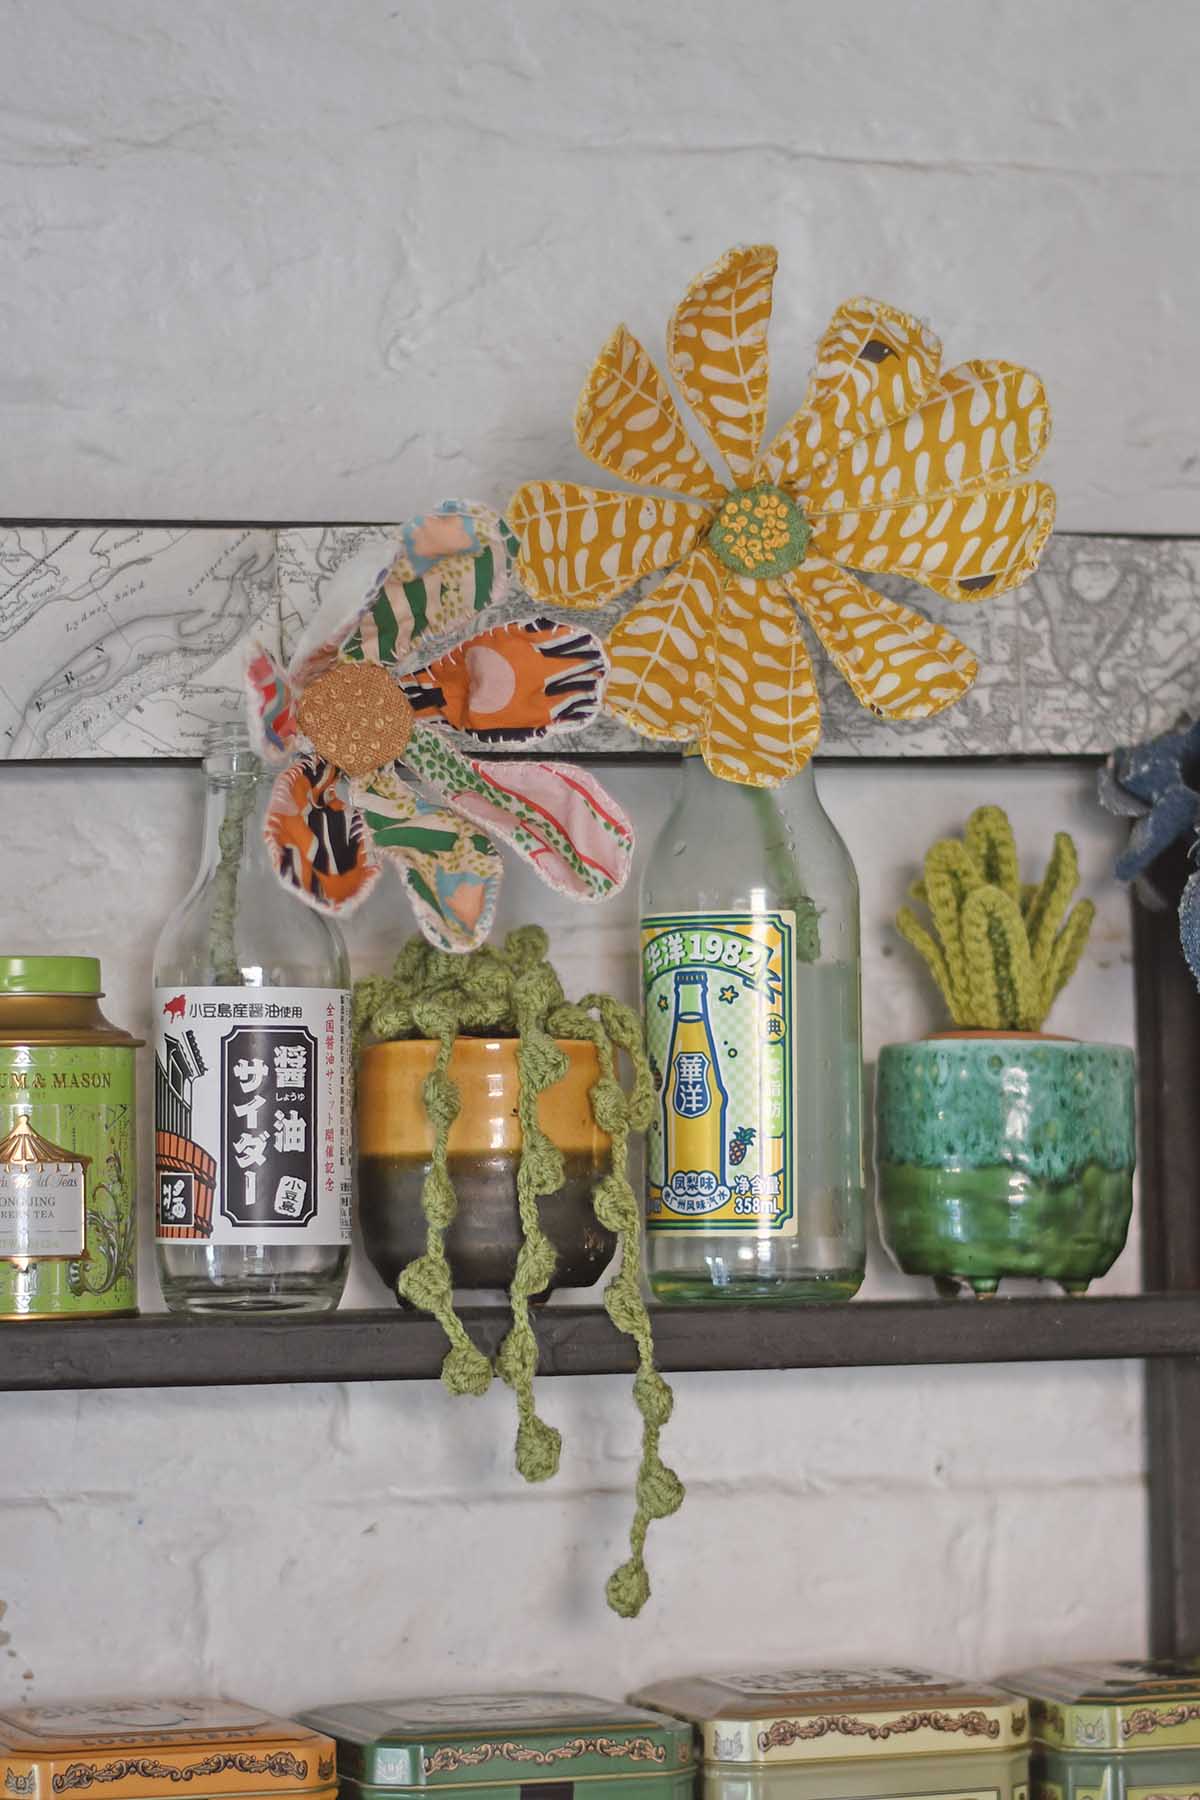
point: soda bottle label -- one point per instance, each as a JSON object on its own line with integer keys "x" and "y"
{"x": 252, "y": 1115}
{"x": 718, "y": 993}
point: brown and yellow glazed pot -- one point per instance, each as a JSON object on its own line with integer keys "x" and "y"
{"x": 395, "y": 1147}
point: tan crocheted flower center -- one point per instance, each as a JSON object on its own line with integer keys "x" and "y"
{"x": 356, "y": 717}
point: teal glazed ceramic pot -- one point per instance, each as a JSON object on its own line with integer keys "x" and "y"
{"x": 1004, "y": 1155}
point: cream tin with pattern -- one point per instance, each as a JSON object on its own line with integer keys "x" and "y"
{"x": 851, "y": 1734}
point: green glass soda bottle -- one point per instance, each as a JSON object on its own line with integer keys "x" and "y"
{"x": 751, "y": 983}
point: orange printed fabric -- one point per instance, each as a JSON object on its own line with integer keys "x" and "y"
{"x": 316, "y": 841}
{"x": 517, "y": 682}
{"x": 891, "y": 466}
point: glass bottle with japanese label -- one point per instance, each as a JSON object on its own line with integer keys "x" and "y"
{"x": 751, "y": 979}
{"x": 252, "y": 1081}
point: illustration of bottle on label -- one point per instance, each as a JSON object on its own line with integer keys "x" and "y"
{"x": 718, "y": 992}
{"x": 694, "y": 1103}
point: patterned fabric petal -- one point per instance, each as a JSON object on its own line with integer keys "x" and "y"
{"x": 316, "y": 839}
{"x": 558, "y": 818}
{"x": 897, "y": 664}
{"x": 452, "y": 564}
{"x": 1173, "y": 813}
{"x": 874, "y": 365}
{"x": 272, "y": 705}
{"x": 764, "y": 719}
{"x": 627, "y": 422}
{"x": 531, "y": 679}
{"x": 346, "y": 594}
{"x": 1147, "y": 770}
{"x": 983, "y": 424}
{"x": 663, "y": 655}
{"x": 580, "y": 546}
{"x": 717, "y": 352}
{"x": 1189, "y": 924}
{"x": 1112, "y": 795}
{"x": 964, "y": 548}
{"x": 451, "y": 870}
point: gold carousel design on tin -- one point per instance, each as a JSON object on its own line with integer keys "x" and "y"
{"x": 24, "y": 1154}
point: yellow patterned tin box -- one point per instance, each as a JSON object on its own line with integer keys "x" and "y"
{"x": 851, "y": 1734}
{"x": 1114, "y": 1730}
{"x": 147, "y": 1749}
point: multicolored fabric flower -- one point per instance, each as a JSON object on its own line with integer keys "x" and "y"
{"x": 1158, "y": 785}
{"x": 363, "y": 731}
{"x": 892, "y": 465}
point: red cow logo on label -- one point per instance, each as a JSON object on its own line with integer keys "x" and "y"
{"x": 175, "y": 1009}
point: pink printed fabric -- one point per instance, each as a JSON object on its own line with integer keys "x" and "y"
{"x": 558, "y": 818}
{"x": 555, "y": 793}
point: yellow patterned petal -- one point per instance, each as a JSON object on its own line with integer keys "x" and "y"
{"x": 983, "y": 424}
{"x": 661, "y": 655}
{"x": 764, "y": 719}
{"x": 897, "y": 664}
{"x": 874, "y": 365}
{"x": 717, "y": 351}
{"x": 965, "y": 548}
{"x": 627, "y": 422}
{"x": 580, "y": 546}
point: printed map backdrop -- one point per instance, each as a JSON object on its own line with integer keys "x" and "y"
{"x": 126, "y": 641}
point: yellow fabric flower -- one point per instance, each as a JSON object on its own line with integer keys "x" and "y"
{"x": 889, "y": 466}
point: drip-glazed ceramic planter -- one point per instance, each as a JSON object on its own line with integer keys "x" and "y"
{"x": 1004, "y": 1154}
{"x": 395, "y": 1147}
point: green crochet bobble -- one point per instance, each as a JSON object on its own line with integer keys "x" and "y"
{"x": 1004, "y": 950}
{"x": 514, "y": 992}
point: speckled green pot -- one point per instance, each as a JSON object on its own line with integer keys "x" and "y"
{"x": 1001, "y": 1155}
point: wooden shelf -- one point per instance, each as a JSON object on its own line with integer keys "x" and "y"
{"x": 161, "y": 1350}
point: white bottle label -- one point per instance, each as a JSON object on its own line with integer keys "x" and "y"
{"x": 252, "y": 1115}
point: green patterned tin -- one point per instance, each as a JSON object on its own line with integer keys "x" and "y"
{"x": 1114, "y": 1730}
{"x": 68, "y": 1227}
{"x": 516, "y": 1743}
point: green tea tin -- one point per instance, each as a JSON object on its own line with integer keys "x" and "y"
{"x": 68, "y": 1226}
{"x": 532, "y": 1746}
{"x": 1114, "y": 1730}
{"x": 851, "y": 1734}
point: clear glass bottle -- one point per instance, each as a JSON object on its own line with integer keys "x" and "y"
{"x": 252, "y": 1129}
{"x": 750, "y": 944}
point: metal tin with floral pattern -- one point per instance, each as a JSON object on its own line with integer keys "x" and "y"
{"x": 551, "y": 1742}
{"x": 68, "y": 1178}
{"x": 146, "y": 1749}
{"x": 851, "y": 1734}
{"x": 1114, "y": 1730}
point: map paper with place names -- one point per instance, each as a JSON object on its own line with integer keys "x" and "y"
{"x": 127, "y": 641}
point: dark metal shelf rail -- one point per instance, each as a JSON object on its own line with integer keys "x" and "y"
{"x": 165, "y": 1351}
{"x": 1168, "y": 1032}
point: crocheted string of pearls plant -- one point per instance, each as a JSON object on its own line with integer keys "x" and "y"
{"x": 515, "y": 992}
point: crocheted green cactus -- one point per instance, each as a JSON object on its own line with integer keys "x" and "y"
{"x": 1003, "y": 949}
{"x": 515, "y": 992}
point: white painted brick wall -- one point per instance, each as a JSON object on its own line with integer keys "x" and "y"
{"x": 304, "y": 1543}
{"x": 300, "y": 261}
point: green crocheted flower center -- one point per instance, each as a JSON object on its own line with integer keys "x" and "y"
{"x": 760, "y": 532}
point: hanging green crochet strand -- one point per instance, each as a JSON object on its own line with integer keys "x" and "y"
{"x": 515, "y": 992}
